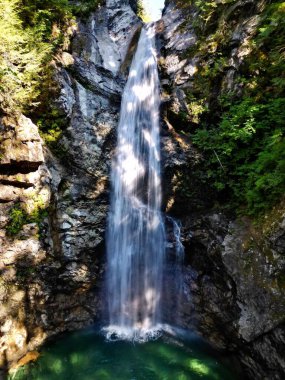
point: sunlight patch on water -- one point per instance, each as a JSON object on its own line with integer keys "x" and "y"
{"x": 198, "y": 367}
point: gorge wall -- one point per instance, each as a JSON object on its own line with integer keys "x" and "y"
{"x": 54, "y": 203}
{"x": 234, "y": 269}
{"x": 54, "y": 197}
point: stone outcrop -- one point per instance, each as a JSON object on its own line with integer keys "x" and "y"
{"x": 234, "y": 290}
{"x": 24, "y": 188}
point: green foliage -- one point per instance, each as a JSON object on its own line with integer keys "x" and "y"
{"x": 207, "y": 8}
{"x": 207, "y": 11}
{"x": 51, "y": 126}
{"x": 240, "y": 132}
{"x": 141, "y": 12}
{"x": 18, "y": 217}
{"x": 21, "y": 58}
{"x": 43, "y": 15}
{"x": 31, "y": 32}
{"x": 83, "y": 8}
{"x": 246, "y": 152}
{"x": 266, "y": 179}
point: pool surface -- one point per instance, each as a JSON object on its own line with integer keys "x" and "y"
{"x": 86, "y": 355}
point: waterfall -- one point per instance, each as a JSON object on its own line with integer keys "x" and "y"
{"x": 135, "y": 235}
{"x": 179, "y": 248}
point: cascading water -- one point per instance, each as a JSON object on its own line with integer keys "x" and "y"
{"x": 173, "y": 279}
{"x": 136, "y": 237}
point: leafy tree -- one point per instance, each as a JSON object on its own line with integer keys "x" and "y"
{"x": 21, "y": 58}
{"x": 31, "y": 31}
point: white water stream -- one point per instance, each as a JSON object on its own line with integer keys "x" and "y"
{"x": 136, "y": 236}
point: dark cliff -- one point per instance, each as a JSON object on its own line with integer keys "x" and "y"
{"x": 234, "y": 264}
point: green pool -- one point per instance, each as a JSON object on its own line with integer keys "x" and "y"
{"x": 86, "y": 355}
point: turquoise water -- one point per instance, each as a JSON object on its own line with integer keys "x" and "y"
{"x": 86, "y": 355}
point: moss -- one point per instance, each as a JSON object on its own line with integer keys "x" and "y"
{"x": 51, "y": 126}
{"x": 18, "y": 217}
{"x": 52, "y": 139}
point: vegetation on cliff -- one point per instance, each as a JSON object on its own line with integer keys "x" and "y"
{"x": 31, "y": 32}
{"x": 141, "y": 11}
{"x": 240, "y": 125}
{"x": 240, "y": 130}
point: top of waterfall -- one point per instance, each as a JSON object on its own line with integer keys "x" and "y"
{"x": 153, "y": 9}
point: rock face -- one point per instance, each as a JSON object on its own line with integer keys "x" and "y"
{"x": 234, "y": 290}
{"x": 233, "y": 277}
{"x": 91, "y": 87}
{"x": 25, "y": 181}
{"x": 53, "y": 210}
{"x": 53, "y": 207}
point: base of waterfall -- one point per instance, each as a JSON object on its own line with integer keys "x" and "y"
{"x": 115, "y": 333}
{"x": 132, "y": 334}
{"x": 87, "y": 355}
